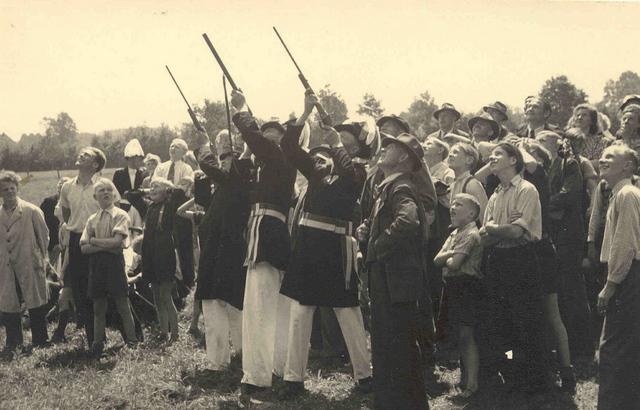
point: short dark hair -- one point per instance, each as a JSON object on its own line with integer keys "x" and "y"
{"x": 513, "y": 152}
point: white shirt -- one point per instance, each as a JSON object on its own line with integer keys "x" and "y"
{"x": 181, "y": 171}
{"x": 132, "y": 177}
{"x": 79, "y": 200}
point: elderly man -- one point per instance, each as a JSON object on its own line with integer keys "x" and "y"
{"x": 619, "y": 300}
{"x": 130, "y": 178}
{"x": 396, "y": 242}
{"x": 181, "y": 175}
{"x": 537, "y": 113}
{"x": 447, "y": 116}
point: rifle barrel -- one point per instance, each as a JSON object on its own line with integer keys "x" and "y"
{"x": 219, "y": 60}
{"x": 287, "y": 50}
{"x": 176, "y": 83}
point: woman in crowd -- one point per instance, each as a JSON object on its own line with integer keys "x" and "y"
{"x": 585, "y": 118}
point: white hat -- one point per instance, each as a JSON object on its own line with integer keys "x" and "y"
{"x": 133, "y": 149}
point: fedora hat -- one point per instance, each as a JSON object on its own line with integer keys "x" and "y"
{"x": 497, "y": 106}
{"x": 398, "y": 120}
{"x": 410, "y": 143}
{"x": 486, "y": 117}
{"x": 447, "y": 107}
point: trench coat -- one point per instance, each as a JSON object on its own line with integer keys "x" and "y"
{"x": 24, "y": 237}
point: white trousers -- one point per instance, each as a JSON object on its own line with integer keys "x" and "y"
{"x": 265, "y": 325}
{"x": 221, "y": 321}
{"x": 352, "y": 327}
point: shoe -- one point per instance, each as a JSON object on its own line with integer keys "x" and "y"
{"x": 250, "y": 391}
{"x": 568, "y": 379}
{"x": 364, "y": 386}
{"x": 291, "y": 390}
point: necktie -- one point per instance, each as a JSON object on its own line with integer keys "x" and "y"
{"x": 172, "y": 171}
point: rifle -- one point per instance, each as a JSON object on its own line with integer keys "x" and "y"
{"x": 194, "y": 119}
{"x": 222, "y": 66}
{"x": 324, "y": 116}
{"x": 226, "y": 104}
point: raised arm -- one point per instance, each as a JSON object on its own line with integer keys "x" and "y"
{"x": 262, "y": 148}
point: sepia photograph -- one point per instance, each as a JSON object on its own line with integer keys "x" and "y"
{"x": 275, "y": 204}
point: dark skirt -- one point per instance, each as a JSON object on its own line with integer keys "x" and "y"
{"x": 106, "y": 276}
{"x": 316, "y": 274}
{"x": 158, "y": 256}
{"x": 464, "y": 294}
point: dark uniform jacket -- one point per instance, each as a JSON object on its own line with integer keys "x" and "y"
{"x": 274, "y": 186}
{"x": 123, "y": 185}
{"x": 221, "y": 274}
{"x": 397, "y": 239}
{"x": 316, "y": 274}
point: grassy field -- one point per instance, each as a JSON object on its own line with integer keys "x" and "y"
{"x": 150, "y": 377}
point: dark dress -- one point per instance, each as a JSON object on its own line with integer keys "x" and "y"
{"x": 158, "y": 245}
{"x": 221, "y": 274}
{"x": 48, "y": 207}
{"x": 316, "y": 274}
{"x": 273, "y": 186}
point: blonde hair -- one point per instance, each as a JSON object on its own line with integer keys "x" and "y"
{"x": 468, "y": 150}
{"x": 162, "y": 182}
{"x": 103, "y": 182}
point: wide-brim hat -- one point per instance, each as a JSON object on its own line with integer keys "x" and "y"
{"x": 447, "y": 107}
{"x": 628, "y": 100}
{"x": 272, "y": 124}
{"x": 367, "y": 135}
{"x": 497, "y": 106}
{"x": 398, "y": 120}
{"x": 410, "y": 143}
{"x": 485, "y": 117}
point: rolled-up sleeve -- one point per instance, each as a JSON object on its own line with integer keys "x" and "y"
{"x": 625, "y": 241}
{"x": 120, "y": 224}
{"x": 528, "y": 206}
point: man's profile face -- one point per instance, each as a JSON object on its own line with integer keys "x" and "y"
{"x": 446, "y": 119}
{"x": 613, "y": 163}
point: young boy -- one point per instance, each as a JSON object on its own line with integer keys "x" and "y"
{"x": 460, "y": 258}
{"x": 103, "y": 239}
{"x": 463, "y": 158}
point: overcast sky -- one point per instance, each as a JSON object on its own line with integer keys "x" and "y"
{"x": 103, "y": 61}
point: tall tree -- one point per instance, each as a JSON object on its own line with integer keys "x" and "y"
{"x": 563, "y": 96}
{"x": 615, "y": 91}
{"x": 333, "y": 104}
{"x": 58, "y": 146}
{"x": 370, "y": 106}
{"x": 419, "y": 115}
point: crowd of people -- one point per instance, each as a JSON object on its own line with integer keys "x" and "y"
{"x": 503, "y": 249}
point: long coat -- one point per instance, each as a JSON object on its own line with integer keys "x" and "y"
{"x": 24, "y": 237}
{"x": 123, "y": 185}
{"x": 221, "y": 274}
{"x": 316, "y": 273}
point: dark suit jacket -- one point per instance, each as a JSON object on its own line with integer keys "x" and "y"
{"x": 523, "y": 131}
{"x": 123, "y": 184}
{"x": 397, "y": 239}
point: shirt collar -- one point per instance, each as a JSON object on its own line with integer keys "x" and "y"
{"x": 466, "y": 228}
{"x": 463, "y": 176}
{"x": 437, "y": 167}
{"x": 389, "y": 180}
{"x": 622, "y": 183}
{"x": 110, "y": 210}
{"x": 514, "y": 182}
{"x": 93, "y": 179}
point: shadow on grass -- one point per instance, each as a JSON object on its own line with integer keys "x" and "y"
{"x": 79, "y": 358}
{"x": 223, "y": 381}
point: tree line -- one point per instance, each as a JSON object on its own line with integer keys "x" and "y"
{"x": 56, "y": 148}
